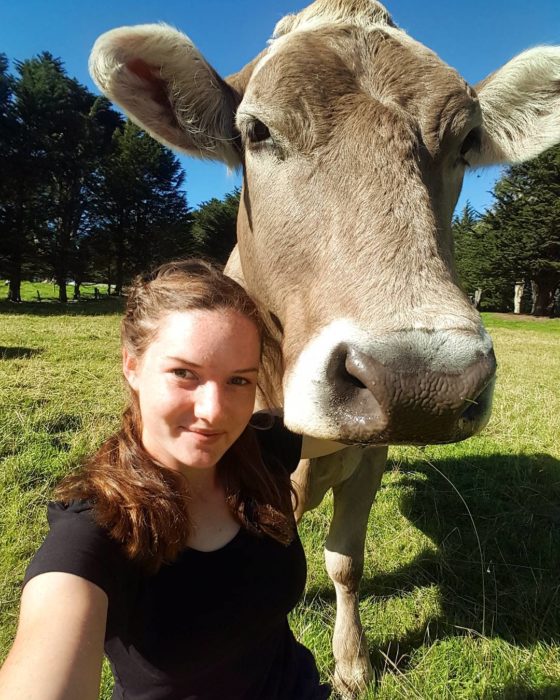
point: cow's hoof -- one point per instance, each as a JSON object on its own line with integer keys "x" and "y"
{"x": 352, "y": 679}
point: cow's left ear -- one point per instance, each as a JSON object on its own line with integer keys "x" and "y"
{"x": 520, "y": 108}
{"x": 164, "y": 84}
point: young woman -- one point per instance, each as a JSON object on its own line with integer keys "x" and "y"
{"x": 175, "y": 548}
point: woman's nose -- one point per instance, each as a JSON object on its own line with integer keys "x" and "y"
{"x": 209, "y": 404}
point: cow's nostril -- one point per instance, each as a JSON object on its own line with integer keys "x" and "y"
{"x": 347, "y": 376}
{"x": 346, "y": 370}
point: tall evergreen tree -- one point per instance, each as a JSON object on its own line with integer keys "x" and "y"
{"x": 215, "y": 226}
{"x": 525, "y": 222}
{"x": 70, "y": 125}
{"x": 22, "y": 162}
{"x": 141, "y": 213}
{"x": 52, "y": 134}
{"x": 482, "y": 278}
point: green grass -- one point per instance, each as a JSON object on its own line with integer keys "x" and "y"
{"x": 522, "y": 323}
{"x": 445, "y": 618}
{"x": 47, "y": 291}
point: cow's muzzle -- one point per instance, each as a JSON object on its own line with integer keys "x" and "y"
{"x": 407, "y": 399}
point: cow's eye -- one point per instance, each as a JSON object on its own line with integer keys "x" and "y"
{"x": 470, "y": 143}
{"x": 258, "y": 133}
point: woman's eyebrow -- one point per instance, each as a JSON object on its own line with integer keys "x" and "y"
{"x": 183, "y": 361}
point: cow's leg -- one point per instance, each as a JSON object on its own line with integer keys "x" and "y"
{"x": 344, "y": 557}
{"x": 311, "y": 483}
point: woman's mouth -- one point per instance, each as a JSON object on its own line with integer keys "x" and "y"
{"x": 205, "y": 435}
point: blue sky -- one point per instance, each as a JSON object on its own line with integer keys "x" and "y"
{"x": 475, "y": 37}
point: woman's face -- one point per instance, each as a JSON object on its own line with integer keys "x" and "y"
{"x": 196, "y": 386}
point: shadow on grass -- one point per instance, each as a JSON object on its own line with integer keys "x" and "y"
{"x": 18, "y": 353}
{"x": 520, "y": 692}
{"x": 100, "y": 307}
{"x": 508, "y": 587}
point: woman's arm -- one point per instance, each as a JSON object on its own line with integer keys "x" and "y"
{"x": 58, "y": 650}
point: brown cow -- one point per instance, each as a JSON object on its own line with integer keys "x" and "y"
{"x": 353, "y": 139}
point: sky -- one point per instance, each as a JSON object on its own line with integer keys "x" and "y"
{"x": 476, "y": 38}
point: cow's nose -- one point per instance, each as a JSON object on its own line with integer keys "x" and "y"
{"x": 410, "y": 398}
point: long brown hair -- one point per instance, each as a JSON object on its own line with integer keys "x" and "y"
{"x": 143, "y": 504}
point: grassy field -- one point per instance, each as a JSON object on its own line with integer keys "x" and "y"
{"x": 47, "y": 291}
{"x": 461, "y": 590}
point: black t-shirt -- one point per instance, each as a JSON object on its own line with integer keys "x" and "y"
{"x": 210, "y": 626}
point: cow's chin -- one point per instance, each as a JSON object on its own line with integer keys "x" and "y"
{"x": 407, "y": 425}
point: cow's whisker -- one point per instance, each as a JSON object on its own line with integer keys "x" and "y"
{"x": 475, "y": 530}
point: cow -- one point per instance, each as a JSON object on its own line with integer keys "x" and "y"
{"x": 353, "y": 140}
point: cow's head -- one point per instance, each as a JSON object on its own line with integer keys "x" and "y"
{"x": 354, "y": 140}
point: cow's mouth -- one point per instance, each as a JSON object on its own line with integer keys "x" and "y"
{"x": 477, "y": 414}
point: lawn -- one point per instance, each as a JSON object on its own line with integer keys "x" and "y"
{"x": 461, "y": 592}
{"x": 48, "y": 292}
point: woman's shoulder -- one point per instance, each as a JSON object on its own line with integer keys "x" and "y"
{"x": 75, "y": 520}
{"x": 76, "y": 544}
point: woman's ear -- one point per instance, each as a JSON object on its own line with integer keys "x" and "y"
{"x": 130, "y": 368}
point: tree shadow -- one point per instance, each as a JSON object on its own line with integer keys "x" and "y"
{"x": 101, "y": 307}
{"x": 18, "y": 353}
{"x": 497, "y": 574}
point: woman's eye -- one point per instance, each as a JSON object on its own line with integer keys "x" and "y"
{"x": 183, "y": 373}
{"x": 239, "y": 381}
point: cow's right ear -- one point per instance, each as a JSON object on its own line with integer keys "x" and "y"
{"x": 163, "y": 83}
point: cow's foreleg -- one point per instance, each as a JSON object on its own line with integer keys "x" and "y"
{"x": 311, "y": 482}
{"x": 344, "y": 557}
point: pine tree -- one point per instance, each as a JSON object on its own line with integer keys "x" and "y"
{"x": 215, "y": 226}
{"x": 22, "y": 162}
{"x": 52, "y": 135}
{"x": 475, "y": 260}
{"x": 525, "y": 222}
{"x": 140, "y": 215}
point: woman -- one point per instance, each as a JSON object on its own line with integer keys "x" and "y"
{"x": 175, "y": 548}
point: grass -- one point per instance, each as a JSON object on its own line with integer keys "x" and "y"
{"x": 461, "y": 594}
{"x": 48, "y": 292}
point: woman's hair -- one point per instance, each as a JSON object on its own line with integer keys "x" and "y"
{"x": 143, "y": 504}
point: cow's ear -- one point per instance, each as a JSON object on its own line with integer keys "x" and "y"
{"x": 520, "y": 108}
{"x": 164, "y": 84}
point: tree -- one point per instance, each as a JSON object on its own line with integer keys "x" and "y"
{"x": 215, "y": 227}
{"x": 53, "y": 132}
{"x": 475, "y": 258}
{"x": 525, "y": 223}
{"x": 140, "y": 215}
{"x": 71, "y": 125}
{"x": 21, "y": 167}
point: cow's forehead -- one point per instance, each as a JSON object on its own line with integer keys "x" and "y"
{"x": 313, "y": 66}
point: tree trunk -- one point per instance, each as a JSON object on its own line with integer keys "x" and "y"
{"x": 61, "y": 282}
{"x": 543, "y": 295}
{"x": 14, "y": 290}
{"x": 16, "y": 257}
{"x": 534, "y": 295}
{"x": 119, "y": 262}
{"x": 477, "y": 297}
{"x": 517, "y": 296}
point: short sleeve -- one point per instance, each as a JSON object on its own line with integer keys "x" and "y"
{"x": 280, "y": 443}
{"x": 76, "y": 544}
